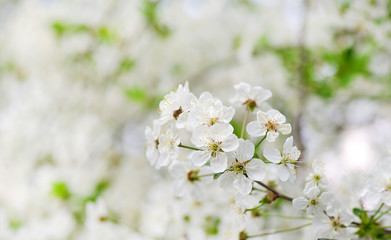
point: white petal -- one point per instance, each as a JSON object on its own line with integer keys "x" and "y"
{"x": 178, "y": 170}
{"x": 326, "y": 197}
{"x": 272, "y": 154}
{"x": 182, "y": 120}
{"x": 164, "y": 160}
{"x": 275, "y": 116}
{"x": 205, "y": 97}
{"x": 230, "y": 143}
{"x": 262, "y": 117}
{"x": 256, "y": 169}
{"x": 226, "y": 180}
{"x": 152, "y": 155}
{"x": 197, "y": 193}
{"x": 243, "y": 184}
{"x": 256, "y": 129}
{"x": 242, "y": 92}
{"x": 180, "y": 188}
{"x": 283, "y": 172}
{"x": 288, "y": 144}
{"x": 199, "y": 137}
{"x": 220, "y": 130}
{"x": 300, "y": 203}
{"x": 272, "y": 136}
{"x": 285, "y": 128}
{"x": 261, "y": 94}
{"x": 312, "y": 193}
{"x": 245, "y": 150}
{"x": 219, "y": 163}
{"x": 228, "y": 114}
{"x": 199, "y": 158}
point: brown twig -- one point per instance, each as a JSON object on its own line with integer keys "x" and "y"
{"x": 278, "y": 194}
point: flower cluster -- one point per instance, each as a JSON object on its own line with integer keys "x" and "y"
{"x": 196, "y": 140}
{"x": 331, "y": 219}
{"x": 196, "y": 134}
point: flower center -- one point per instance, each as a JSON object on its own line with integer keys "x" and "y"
{"x": 177, "y": 113}
{"x": 192, "y": 176}
{"x": 317, "y": 178}
{"x": 238, "y": 167}
{"x": 251, "y": 104}
{"x": 271, "y": 126}
{"x": 213, "y": 121}
{"x": 314, "y": 202}
{"x": 214, "y": 148}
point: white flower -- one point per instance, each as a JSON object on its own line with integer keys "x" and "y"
{"x": 176, "y": 106}
{"x": 152, "y": 142}
{"x": 335, "y": 224}
{"x": 314, "y": 201}
{"x": 317, "y": 178}
{"x": 251, "y": 97}
{"x": 243, "y": 165}
{"x": 286, "y": 160}
{"x": 168, "y": 145}
{"x": 209, "y": 111}
{"x": 190, "y": 180}
{"x": 380, "y": 187}
{"x": 270, "y": 123}
{"x": 214, "y": 143}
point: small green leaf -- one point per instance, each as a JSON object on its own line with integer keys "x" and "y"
{"x": 106, "y": 35}
{"x": 61, "y": 28}
{"x": 211, "y": 225}
{"x": 99, "y": 189}
{"x": 217, "y": 175}
{"x": 60, "y": 190}
{"x": 357, "y": 211}
{"x": 126, "y": 65}
{"x": 14, "y": 224}
{"x": 136, "y": 94}
{"x": 186, "y": 218}
{"x": 150, "y": 12}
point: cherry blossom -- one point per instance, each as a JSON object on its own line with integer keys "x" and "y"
{"x": 189, "y": 179}
{"x": 152, "y": 142}
{"x": 243, "y": 168}
{"x": 214, "y": 143}
{"x": 176, "y": 106}
{"x": 314, "y": 202}
{"x": 251, "y": 97}
{"x": 317, "y": 178}
{"x": 286, "y": 160}
{"x": 209, "y": 111}
{"x": 270, "y": 123}
{"x": 168, "y": 145}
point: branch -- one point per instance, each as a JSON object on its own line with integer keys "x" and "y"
{"x": 279, "y": 231}
{"x": 278, "y": 194}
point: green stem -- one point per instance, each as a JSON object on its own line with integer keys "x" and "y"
{"x": 283, "y": 216}
{"x": 377, "y": 211}
{"x": 280, "y": 231}
{"x": 254, "y": 208}
{"x": 260, "y": 141}
{"x": 260, "y": 190}
{"x": 381, "y": 215}
{"x": 188, "y": 147}
{"x": 244, "y": 123}
{"x": 206, "y": 175}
